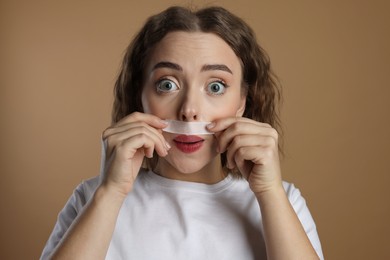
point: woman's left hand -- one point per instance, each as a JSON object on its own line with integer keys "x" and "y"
{"x": 252, "y": 147}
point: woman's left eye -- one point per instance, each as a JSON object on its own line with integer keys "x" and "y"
{"x": 216, "y": 87}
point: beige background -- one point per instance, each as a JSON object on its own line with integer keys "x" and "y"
{"x": 58, "y": 64}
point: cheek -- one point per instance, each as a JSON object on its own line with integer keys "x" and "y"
{"x": 225, "y": 108}
{"x": 149, "y": 106}
{"x": 226, "y": 114}
{"x": 153, "y": 105}
{"x": 160, "y": 108}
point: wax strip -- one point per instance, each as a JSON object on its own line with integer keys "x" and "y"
{"x": 187, "y": 128}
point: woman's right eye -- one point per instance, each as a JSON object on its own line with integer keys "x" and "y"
{"x": 166, "y": 85}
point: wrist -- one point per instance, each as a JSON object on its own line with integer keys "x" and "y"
{"x": 108, "y": 193}
{"x": 273, "y": 192}
{"x": 115, "y": 187}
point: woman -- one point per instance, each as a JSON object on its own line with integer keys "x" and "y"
{"x": 174, "y": 194}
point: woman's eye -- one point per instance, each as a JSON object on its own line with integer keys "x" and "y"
{"x": 216, "y": 88}
{"x": 166, "y": 85}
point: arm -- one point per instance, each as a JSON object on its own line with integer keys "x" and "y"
{"x": 284, "y": 235}
{"x": 89, "y": 235}
{"x": 128, "y": 142}
{"x": 252, "y": 148}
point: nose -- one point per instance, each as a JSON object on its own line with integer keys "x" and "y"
{"x": 190, "y": 108}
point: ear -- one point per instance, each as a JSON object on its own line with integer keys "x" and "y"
{"x": 241, "y": 109}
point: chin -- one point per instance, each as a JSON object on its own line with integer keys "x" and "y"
{"x": 187, "y": 166}
{"x": 190, "y": 164}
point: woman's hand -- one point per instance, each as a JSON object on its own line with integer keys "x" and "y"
{"x": 252, "y": 147}
{"x": 128, "y": 142}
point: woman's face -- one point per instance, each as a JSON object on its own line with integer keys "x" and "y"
{"x": 192, "y": 77}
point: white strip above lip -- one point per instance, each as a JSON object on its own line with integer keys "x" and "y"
{"x": 187, "y": 128}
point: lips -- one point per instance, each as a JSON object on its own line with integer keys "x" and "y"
{"x": 188, "y": 143}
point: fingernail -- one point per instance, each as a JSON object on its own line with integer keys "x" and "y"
{"x": 164, "y": 122}
{"x": 167, "y": 145}
{"x": 211, "y": 125}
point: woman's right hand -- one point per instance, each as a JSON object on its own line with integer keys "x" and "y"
{"x": 128, "y": 142}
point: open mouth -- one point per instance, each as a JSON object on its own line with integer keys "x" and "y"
{"x": 188, "y": 143}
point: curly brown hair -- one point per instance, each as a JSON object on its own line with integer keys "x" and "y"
{"x": 263, "y": 92}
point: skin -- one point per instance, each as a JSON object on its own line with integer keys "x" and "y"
{"x": 191, "y": 97}
{"x": 179, "y": 84}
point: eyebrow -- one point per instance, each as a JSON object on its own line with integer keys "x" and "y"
{"x": 222, "y": 67}
{"x": 167, "y": 64}
{"x": 207, "y": 67}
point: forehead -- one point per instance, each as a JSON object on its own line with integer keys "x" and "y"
{"x": 195, "y": 48}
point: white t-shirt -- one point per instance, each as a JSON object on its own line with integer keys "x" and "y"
{"x": 171, "y": 219}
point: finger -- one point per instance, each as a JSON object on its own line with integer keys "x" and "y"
{"x": 126, "y": 127}
{"x": 223, "y": 123}
{"x": 150, "y": 119}
{"x": 131, "y": 145}
{"x": 115, "y": 131}
{"x": 246, "y": 157}
{"x": 243, "y": 159}
{"x": 248, "y": 141}
{"x": 244, "y": 128}
{"x": 115, "y": 140}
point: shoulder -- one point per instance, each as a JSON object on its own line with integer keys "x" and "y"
{"x": 294, "y": 196}
{"x": 89, "y": 185}
{"x": 81, "y": 194}
{"x": 84, "y": 192}
{"x": 300, "y": 207}
{"x": 291, "y": 190}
